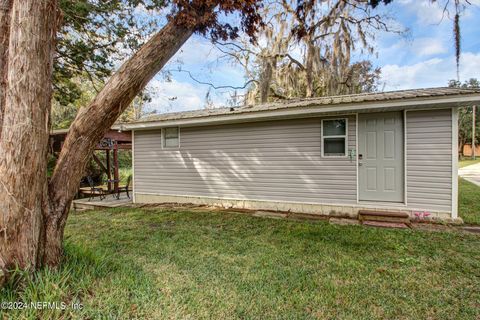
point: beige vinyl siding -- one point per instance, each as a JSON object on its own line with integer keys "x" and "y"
{"x": 429, "y": 159}
{"x": 273, "y": 161}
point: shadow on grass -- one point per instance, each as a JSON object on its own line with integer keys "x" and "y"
{"x": 156, "y": 263}
{"x": 70, "y": 290}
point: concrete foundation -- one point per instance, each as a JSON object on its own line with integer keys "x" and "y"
{"x": 329, "y": 210}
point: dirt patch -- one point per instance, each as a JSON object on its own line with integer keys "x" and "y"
{"x": 430, "y": 225}
{"x": 433, "y": 227}
{"x": 471, "y": 229}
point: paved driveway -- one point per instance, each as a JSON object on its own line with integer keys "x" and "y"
{"x": 471, "y": 173}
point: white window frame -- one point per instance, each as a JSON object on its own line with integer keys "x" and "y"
{"x": 164, "y": 137}
{"x": 336, "y": 136}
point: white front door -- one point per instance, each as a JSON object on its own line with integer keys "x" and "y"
{"x": 380, "y": 157}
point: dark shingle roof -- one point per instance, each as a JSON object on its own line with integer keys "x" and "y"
{"x": 321, "y": 101}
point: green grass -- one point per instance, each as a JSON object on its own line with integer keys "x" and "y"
{"x": 469, "y": 201}
{"x": 167, "y": 264}
{"x": 468, "y": 162}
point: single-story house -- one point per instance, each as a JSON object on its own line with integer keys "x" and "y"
{"x": 394, "y": 151}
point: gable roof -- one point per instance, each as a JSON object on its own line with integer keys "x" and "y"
{"x": 391, "y": 100}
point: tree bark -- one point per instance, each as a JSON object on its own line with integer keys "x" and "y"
{"x": 309, "y": 68}
{"x": 34, "y": 212}
{"x": 5, "y": 8}
{"x": 24, "y": 143}
{"x": 93, "y": 121}
{"x": 266, "y": 78}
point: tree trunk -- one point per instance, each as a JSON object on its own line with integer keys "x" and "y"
{"x": 34, "y": 212}
{"x": 309, "y": 69}
{"x": 25, "y": 134}
{"x": 266, "y": 79}
{"x": 93, "y": 121}
{"x": 5, "y": 8}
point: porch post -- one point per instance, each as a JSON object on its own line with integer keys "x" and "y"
{"x": 109, "y": 170}
{"x": 115, "y": 167}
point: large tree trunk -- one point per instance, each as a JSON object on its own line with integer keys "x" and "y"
{"x": 5, "y": 8}
{"x": 309, "y": 68}
{"x": 93, "y": 121}
{"x": 266, "y": 78}
{"x": 25, "y": 132}
{"x": 34, "y": 213}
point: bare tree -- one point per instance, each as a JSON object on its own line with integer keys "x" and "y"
{"x": 306, "y": 50}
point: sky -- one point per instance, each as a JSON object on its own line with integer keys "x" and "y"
{"x": 422, "y": 57}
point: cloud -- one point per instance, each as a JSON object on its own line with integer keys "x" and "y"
{"x": 420, "y": 47}
{"x": 195, "y": 51}
{"x": 175, "y": 96}
{"x": 428, "y": 46}
{"x": 426, "y": 13}
{"x": 205, "y": 63}
{"x": 430, "y": 73}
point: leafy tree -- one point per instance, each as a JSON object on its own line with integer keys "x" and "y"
{"x": 465, "y": 117}
{"x": 34, "y": 210}
{"x": 93, "y": 36}
{"x": 64, "y": 112}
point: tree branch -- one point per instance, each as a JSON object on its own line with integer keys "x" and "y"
{"x": 93, "y": 121}
{"x": 211, "y": 84}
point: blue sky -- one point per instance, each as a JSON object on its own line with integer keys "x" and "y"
{"x": 424, "y": 57}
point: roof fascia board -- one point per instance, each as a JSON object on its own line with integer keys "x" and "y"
{"x": 303, "y": 111}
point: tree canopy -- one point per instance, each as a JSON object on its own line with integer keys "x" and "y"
{"x": 93, "y": 38}
{"x": 306, "y": 50}
{"x": 96, "y": 35}
{"x": 465, "y": 118}
{"x": 34, "y": 208}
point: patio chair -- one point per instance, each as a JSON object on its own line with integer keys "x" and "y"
{"x": 95, "y": 190}
{"x": 125, "y": 188}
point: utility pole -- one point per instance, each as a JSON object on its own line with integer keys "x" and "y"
{"x": 473, "y": 132}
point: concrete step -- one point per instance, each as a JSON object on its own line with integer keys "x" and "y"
{"x": 82, "y": 206}
{"x": 384, "y": 219}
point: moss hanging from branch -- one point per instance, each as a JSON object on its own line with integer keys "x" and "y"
{"x": 456, "y": 32}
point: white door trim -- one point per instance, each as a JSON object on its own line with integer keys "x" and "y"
{"x": 356, "y": 154}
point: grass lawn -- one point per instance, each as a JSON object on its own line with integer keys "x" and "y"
{"x": 163, "y": 263}
{"x": 469, "y": 201}
{"x": 468, "y": 162}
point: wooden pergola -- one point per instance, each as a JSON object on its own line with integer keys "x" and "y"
{"x": 111, "y": 142}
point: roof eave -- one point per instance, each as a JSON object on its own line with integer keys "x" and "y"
{"x": 306, "y": 111}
